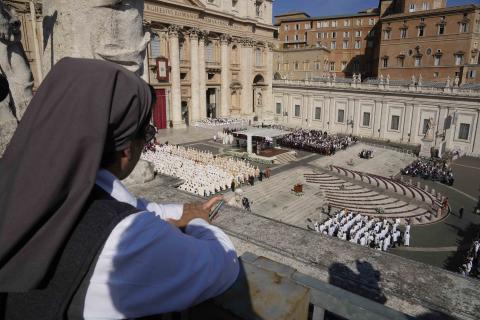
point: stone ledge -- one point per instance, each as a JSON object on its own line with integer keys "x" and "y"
{"x": 405, "y": 285}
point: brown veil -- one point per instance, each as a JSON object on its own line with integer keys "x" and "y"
{"x": 82, "y": 109}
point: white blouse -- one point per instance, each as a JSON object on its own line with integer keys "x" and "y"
{"x": 149, "y": 267}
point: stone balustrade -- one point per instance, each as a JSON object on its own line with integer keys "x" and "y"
{"x": 362, "y": 86}
{"x": 406, "y": 286}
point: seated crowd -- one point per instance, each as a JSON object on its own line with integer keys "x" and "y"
{"x": 316, "y": 141}
{"x": 222, "y": 122}
{"x": 432, "y": 169}
{"x": 204, "y": 173}
{"x": 363, "y": 230}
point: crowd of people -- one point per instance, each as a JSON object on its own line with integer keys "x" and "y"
{"x": 360, "y": 229}
{"x": 222, "y": 123}
{"x": 472, "y": 261}
{"x": 203, "y": 173}
{"x": 316, "y": 141}
{"x": 366, "y": 154}
{"x": 432, "y": 169}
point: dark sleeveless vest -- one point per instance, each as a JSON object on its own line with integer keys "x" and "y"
{"x": 64, "y": 295}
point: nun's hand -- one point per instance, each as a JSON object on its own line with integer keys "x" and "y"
{"x": 196, "y": 210}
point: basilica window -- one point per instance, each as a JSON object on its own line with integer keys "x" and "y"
{"x": 401, "y": 61}
{"x": 279, "y": 108}
{"x": 333, "y": 45}
{"x": 366, "y": 119}
{"x": 437, "y": 60}
{"x": 346, "y": 23}
{"x": 334, "y": 35}
{"x": 334, "y": 23}
{"x": 403, "y": 33}
{"x": 346, "y": 34}
{"x": 463, "y": 27}
{"x": 371, "y": 22}
{"x": 412, "y": 8}
{"x": 297, "y": 110}
{"x": 395, "y": 123}
{"x": 358, "y": 33}
{"x": 155, "y": 47}
{"x": 234, "y": 4}
{"x": 345, "y": 44}
{"x": 318, "y": 113}
{"x": 258, "y": 57}
{"x": 344, "y": 65}
{"x": 210, "y": 54}
{"x": 464, "y": 131}
{"x": 296, "y": 66}
{"x": 358, "y": 44}
{"x": 341, "y": 116}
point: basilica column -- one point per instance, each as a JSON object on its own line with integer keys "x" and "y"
{"x": 268, "y": 101}
{"x": 203, "y": 75}
{"x": 225, "y": 76}
{"x": 176, "y": 106}
{"x": 246, "y": 78}
{"x": 194, "y": 76}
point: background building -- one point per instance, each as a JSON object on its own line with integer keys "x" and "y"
{"x": 351, "y": 41}
{"x": 424, "y": 39}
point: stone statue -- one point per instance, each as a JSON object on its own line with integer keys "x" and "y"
{"x": 15, "y": 68}
{"x": 414, "y": 80}
{"x": 111, "y": 30}
{"x": 334, "y": 77}
{"x": 420, "y": 80}
{"x": 359, "y": 77}
{"x": 448, "y": 83}
{"x": 354, "y": 77}
{"x": 259, "y": 99}
{"x": 381, "y": 79}
{"x": 429, "y": 129}
{"x": 456, "y": 82}
{"x": 388, "y": 79}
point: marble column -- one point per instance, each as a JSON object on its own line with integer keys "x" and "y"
{"x": 268, "y": 105}
{"x": 356, "y": 117}
{"x": 384, "y": 120}
{"x": 194, "y": 77}
{"x": 225, "y": 76}
{"x": 203, "y": 75}
{"x": 246, "y": 78}
{"x": 176, "y": 105}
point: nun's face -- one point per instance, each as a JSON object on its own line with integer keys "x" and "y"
{"x": 135, "y": 151}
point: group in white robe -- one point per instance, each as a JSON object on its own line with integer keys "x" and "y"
{"x": 203, "y": 173}
{"x": 363, "y": 230}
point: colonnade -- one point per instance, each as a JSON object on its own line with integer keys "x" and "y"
{"x": 198, "y": 74}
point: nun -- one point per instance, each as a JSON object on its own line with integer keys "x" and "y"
{"x": 72, "y": 237}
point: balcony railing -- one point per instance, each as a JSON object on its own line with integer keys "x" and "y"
{"x": 376, "y": 84}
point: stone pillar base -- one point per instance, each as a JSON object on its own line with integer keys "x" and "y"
{"x": 179, "y": 124}
{"x": 425, "y": 148}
